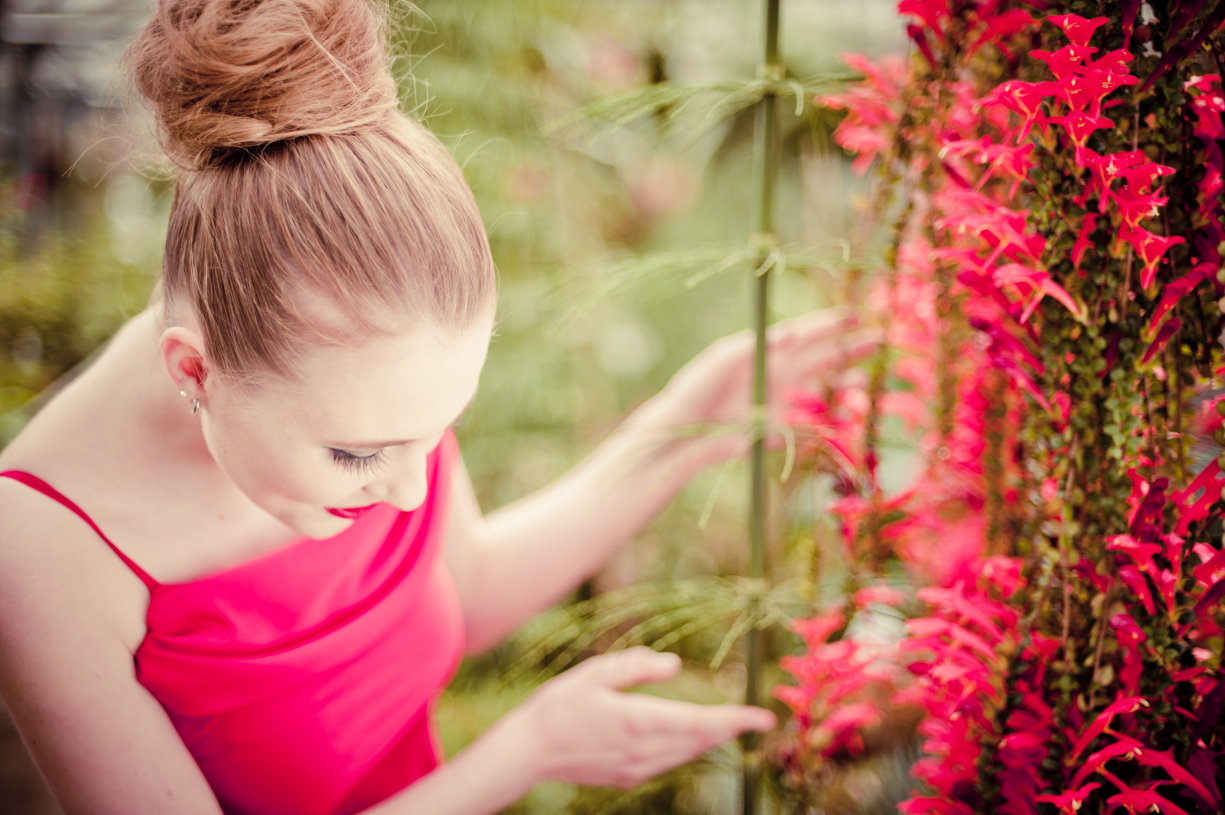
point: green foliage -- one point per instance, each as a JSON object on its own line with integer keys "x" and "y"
{"x": 62, "y": 295}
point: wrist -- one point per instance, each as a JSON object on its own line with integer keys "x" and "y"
{"x": 649, "y": 447}
{"x": 517, "y": 752}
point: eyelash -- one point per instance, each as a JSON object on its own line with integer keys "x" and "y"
{"x": 361, "y": 465}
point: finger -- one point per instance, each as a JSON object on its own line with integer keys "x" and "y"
{"x": 633, "y": 666}
{"x": 813, "y": 326}
{"x": 850, "y": 348}
{"x": 717, "y": 723}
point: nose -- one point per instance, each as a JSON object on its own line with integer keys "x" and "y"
{"x": 404, "y": 487}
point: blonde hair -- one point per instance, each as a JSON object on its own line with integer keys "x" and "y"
{"x": 298, "y": 177}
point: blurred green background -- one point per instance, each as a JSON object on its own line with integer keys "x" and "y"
{"x": 586, "y": 329}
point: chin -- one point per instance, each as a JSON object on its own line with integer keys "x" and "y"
{"x": 323, "y": 525}
{"x": 313, "y": 522}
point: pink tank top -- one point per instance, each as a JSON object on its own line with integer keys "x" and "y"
{"x": 303, "y": 681}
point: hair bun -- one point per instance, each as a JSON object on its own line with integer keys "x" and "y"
{"x": 227, "y": 75}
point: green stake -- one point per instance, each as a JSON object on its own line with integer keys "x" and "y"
{"x": 765, "y": 167}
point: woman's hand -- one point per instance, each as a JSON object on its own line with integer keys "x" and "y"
{"x": 714, "y": 389}
{"x": 581, "y": 728}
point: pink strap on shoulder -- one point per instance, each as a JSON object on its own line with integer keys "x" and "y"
{"x": 36, "y": 483}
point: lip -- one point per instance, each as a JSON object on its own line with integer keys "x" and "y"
{"x": 350, "y": 513}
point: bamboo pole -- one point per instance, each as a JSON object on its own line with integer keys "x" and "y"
{"x": 765, "y": 171}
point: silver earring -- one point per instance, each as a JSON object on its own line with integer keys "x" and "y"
{"x": 195, "y": 405}
{"x": 183, "y": 394}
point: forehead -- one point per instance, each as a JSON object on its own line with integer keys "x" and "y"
{"x": 408, "y": 385}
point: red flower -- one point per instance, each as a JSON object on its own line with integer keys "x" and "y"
{"x": 1101, "y": 724}
{"x": 1105, "y": 170}
{"x": 932, "y": 13}
{"x": 1173, "y": 292}
{"x": 1071, "y": 801}
{"x": 1000, "y": 26}
{"x": 1122, "y": 750}
{"x": 1151, "y": 248}
{"x": 1087, "y": 90}
{"x": 817, "y": 630}
{"x": 1131, "y": 636}
{"x": 1114, "y": 61}
{"x": 1078, "y": 30}
{"x": 1082, "y": 238}
{"x": 1024, "y": 98}
{"x": 1140, "y": 553}
{"x": 1064, "y": 61}
{"x": 1136, "y": 208}
{"x": 879, "y": 592}
{"x": 1135, "y": 581}
{"x": 1079, "y": 126}
{"x": 840, "y": 729}
{"x": 1144, "y": 801}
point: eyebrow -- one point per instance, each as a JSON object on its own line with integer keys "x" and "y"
{"x": 370, "y": 445}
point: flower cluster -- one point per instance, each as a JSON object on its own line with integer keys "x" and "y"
{"x": 1052, "y": 319}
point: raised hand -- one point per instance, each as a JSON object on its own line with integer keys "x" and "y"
{"x": 714, "y": 389}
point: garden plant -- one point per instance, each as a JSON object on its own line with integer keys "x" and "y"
{"x": 1050, "y": 174}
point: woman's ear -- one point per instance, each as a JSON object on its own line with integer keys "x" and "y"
{"x": 183, "y": 353}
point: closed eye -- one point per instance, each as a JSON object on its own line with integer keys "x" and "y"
{"x": 360, "y": 465}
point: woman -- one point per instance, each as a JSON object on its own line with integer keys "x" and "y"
{"x": 239, "y": 556}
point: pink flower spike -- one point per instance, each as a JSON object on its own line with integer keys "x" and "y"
{"x": 1065, "y": 60}
{"x": 1078, "y": 30}
{"x": 1070, "y": 802}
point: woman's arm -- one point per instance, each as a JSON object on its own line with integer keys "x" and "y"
{"x": 579, "y": 727}
{"x": 518, "y": 560}
{"x": 69, "y": 612}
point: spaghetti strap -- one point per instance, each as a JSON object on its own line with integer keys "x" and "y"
{"x": 36, "y": 483}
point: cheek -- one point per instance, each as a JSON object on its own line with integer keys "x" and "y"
{"x": 268, "y": 466}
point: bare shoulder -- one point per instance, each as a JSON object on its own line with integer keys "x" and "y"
{"x": 53, "y": 564}
{"x": 71, "y": 616}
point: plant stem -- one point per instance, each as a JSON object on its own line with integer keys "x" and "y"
{"x": 765, "y": 164}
